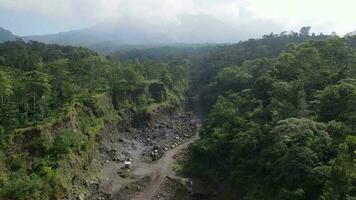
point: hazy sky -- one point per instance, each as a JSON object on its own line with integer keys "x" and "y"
{"x": 250, "y": 17}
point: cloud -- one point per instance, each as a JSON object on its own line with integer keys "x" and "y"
{"x": 63, "y": 9}
{"x": 150, "y": 10}
{"x": 322, "y": 15}
{"x": 245, "y": 17}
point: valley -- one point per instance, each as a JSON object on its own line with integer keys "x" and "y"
{"x": 263, "y": 119}
{"x": 167, "y": 136}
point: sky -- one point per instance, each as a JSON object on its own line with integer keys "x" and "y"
{"x": 251, "y": 18}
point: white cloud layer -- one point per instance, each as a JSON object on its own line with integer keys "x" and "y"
{"x": 247, "y": 17}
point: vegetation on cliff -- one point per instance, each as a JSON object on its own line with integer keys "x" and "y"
{"x": 283, "y": 127}
{"x": 54, "y": 102}
{"x": 280, "y": 122}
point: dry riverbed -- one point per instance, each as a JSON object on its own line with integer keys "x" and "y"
{"x": 149, "y": 155}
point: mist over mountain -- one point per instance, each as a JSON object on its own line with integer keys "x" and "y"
{"x": 177, "y": 99}
{"x": 6, "y": 35}
{"x": 188, "y": 29}
{"x": 123, "y": 34}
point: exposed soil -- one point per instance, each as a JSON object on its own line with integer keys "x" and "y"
{"x": 151, "y": 152}
{"x": 163, "y": 169}
{"x": 173, "y": 188}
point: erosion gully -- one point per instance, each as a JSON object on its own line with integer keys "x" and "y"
{"x": 151, "y": 150}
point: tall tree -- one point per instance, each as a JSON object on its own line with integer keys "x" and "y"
{"x": 37, "y": 84}
{"x": 5, "y": 86}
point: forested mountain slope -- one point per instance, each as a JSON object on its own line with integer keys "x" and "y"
{"x": 280, "y": 123}
{"x": 208, "y": 61}
{"x": 205, "y": 71}
{"x": 6, "y": 35}
{"x": 280, "y": 116}
{"x": 55, "y": 100}
{"x": 283, "y": 128}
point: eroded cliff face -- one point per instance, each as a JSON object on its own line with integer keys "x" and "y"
{"x": 65, "y": 147}
{"x": 150, "y": 151}
{"x": 102, "y": 129}
{"x": 104, "y": 133}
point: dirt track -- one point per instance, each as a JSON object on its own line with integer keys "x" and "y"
{"x": 170, "y": 135}
{"x": 161, "y": 169}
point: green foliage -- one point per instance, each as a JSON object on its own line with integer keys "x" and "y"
{"x": 293, "y": 162}
{"x": 67, "y": 142}
{"x": 341, "y": 183}
{"x": 337, "y": 102}
{"x": 5, "y": 86}
{"x": 206, "y": 68}
{"x": 22, "y": 187}
{"x": 281, "y": 121}
{"x": 54, "y": 102}
{"x": 276, "y": 124}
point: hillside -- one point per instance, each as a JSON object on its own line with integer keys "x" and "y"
{"x": 121, "y": 35}
{"x": 6, "y": 35}
{"x": 57, "y": 101}
{"x": 130, "y": 32}
{"x": 282, "y": 127}
{"x": 177, "y": 100}
{"x": 279, "y": 120}
{"x": 279, "y": 111}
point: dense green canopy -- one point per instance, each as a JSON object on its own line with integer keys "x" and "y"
{"x": 280, "y": 123}
{"x": 41, "y": 85}
{"x": 283, "y": 128}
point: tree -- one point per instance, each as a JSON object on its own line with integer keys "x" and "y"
{"x": 342, "y": 176}
{"x": 295, "y": 158}
{"x": 37, "y": 83}
{"x": 6, "y": 87}
{"x": 337, "y": 103}
{"x": 233, "y": 78}
{"x": 64, "y": 88}
{"x": 304, "y": 31}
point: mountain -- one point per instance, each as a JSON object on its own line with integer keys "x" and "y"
{"x": 6, "y": 35}
{"x": 189, "y": 29}
{"x": 122, "y": 34}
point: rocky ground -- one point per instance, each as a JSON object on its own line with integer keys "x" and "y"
{"x": 174, "y": 188}
{"x": 148, "y": 153}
